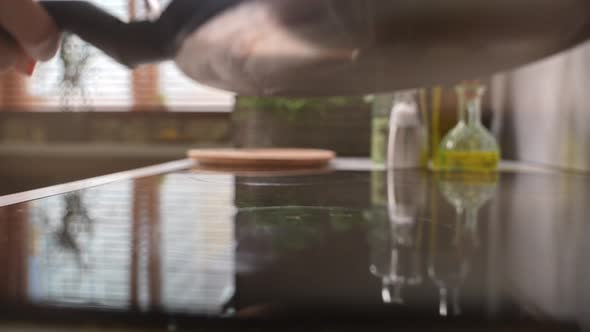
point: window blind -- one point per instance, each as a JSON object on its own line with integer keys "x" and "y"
{"x": 82, "y": 78}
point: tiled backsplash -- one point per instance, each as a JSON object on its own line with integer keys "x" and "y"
{"x": 118, "y": 128}
{"x": 348, "y": 133}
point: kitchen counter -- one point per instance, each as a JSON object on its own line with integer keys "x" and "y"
{"x": 171, "y": 247}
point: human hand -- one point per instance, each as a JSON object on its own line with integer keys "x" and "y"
{"x": 27, "y": 34}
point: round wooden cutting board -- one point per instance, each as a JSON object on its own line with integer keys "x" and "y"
{"x": 262, "y": 158}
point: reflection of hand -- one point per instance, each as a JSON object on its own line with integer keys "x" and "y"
{"x": 27, "y": 33}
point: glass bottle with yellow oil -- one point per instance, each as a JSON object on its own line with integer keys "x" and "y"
{"x": 469, "y": 146}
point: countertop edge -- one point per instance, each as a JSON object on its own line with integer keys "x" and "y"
{"x": 94, "y": 182}
{"x": 352, "y": 164}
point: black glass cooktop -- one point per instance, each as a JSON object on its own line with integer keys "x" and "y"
{"x": 389, "y": 248}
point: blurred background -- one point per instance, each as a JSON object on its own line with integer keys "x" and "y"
{"x": 82, "y": 114}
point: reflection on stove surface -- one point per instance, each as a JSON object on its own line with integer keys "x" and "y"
{"x": 467, "y": 192}
{"x": 153, "y": 245}
{"x": 391, "y": 244}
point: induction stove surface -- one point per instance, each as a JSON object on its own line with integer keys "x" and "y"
{"x": 401, "y": 247}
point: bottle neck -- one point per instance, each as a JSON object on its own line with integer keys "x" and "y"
{"x": 473, "y": 106}
{"x": 462, "y": 106}
{"x": 469, "y": 97}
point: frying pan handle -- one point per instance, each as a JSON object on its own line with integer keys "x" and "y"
{"x": 128, "y": 43}
{"x": 138, "y": 42}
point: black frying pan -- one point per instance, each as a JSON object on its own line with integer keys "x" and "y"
{"x": 334, "y": 47}
{"x": 137, "y": 42}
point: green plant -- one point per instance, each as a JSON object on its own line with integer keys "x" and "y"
{"x": 291, "y": 107}
{"x": 293, "y": 228}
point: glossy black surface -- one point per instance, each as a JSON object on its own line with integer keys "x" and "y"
{"x": 404, "y": 248}
{"x": 22, "y": 173}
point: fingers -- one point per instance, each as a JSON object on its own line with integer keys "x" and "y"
{"x": 25, "y": 65}
{"x": 31, "y": 26}
{"x": 9, "y": 52}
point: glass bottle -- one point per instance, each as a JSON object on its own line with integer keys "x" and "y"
{"x": 380, "y": 128}
{"x": 469, "y": 146}
{"x": 408, "y": 146}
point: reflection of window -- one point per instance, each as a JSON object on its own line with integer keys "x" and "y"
{"x": 82, "y": 266}
{"x": 151, "y": 243}
{"x": 106, "y": 85}
{"x": 197, "y": 243}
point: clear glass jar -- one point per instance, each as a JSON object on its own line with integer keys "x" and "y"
{"x": 408, "y": 137}
{"x": 382, "y": 105}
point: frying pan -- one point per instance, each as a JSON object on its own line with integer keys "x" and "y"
{"x": 334, "y": 47}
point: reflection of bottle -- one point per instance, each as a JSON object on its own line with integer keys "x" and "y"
{"x": 397, "y": 237}
{"x": 452, "y": 245}
{"x": 468, "y": 192}
{"x": 469, "y": 146}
